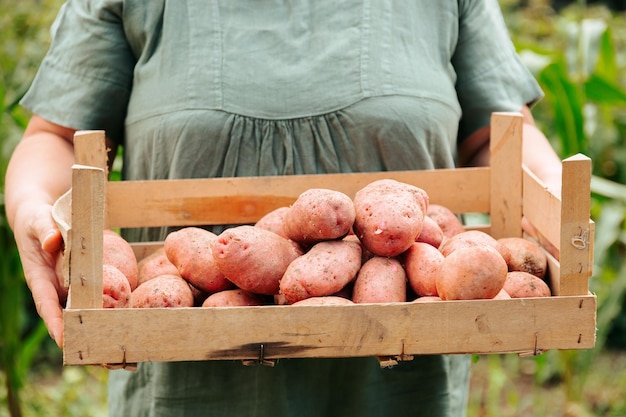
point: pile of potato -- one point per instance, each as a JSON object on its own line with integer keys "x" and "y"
{"x": 387, "y": 244}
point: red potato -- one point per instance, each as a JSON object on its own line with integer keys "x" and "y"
{"x": 524, "y": 255}
{"x": 115, "y": 288}
{"x": 428, "y": 299}
{"x": 502, "y": 295}
{"x": 164, "y": 291}
{"x": 380, "y": 280}
{"x": 118, "y": 253}
{"x": 520, "y": 284}
{"x": 253, "y": 259}
{"x": 324, "y": 270}
{"x": 431, "y": 233}
{"x": 365, "y": 254}
{"x": 472, "y": 272}
{"x": 198, "y": 295}
{"x": 319, "y": 214}
{"x": 449, "y": 223}
{"x": 233, "y": 298}
{"x": 189, "y": 249}
{"x": 467, "y": 238}
{"x": 422, "y": 262}
{"x": 330, "y": 300}
{"x": 274, "y": 221}
{"x": 154, "y": 265}
{"x": 389, "y": 216}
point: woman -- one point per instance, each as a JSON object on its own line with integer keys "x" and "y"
{"x": 197, "y": 89}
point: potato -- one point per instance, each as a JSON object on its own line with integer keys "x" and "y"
{"x": 521, "y": 284}
{"x": 467, "y": 238}
{"x": 274, "y": 221}
{"x": 389, "y": 216}
{"x": 524, "y": 255}
{"x": 233, "y": 298}
{"x": 189, "y": 249}
{"x": 428, "y": 299}
{"x": 118, "y": 253}
{"x": 431, "y": 233}
{"x": 324, "y": 270}
{"x": 422, "y": 262}
{"x": 471, "y": 272}
{"x": 380, "y": 280}
{"x": 154, "y": 265}
{"x": 502, "y": 295}
{"x": 115, "y": 288}
{"x": 449, "y": 223}
{"x": 162, "y": 291}
{"x": 330, "y": 300}
{"x": 319, "y": 214}
{"x": 253, "y": 259}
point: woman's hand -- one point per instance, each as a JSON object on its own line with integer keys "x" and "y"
{"x": 40, "y": 246}
{"x": 39, "y": 172}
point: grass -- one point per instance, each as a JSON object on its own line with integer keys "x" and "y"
{"x": 510, "y": 386}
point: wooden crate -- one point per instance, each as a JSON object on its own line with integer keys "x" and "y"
{"x": 506, "y": 191}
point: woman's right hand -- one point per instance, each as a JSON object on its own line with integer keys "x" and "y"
{"x": 40, "y": 246}
{"x": 39, "y": 172}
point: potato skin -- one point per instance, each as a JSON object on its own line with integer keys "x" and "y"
{"x": 389, "y": 216}
{"x": 189, "y": 249}
{"x": 524, "y": 255}
{"x": 274, "y": 221}
{"x": 422, "y": 262}
{"x": 319, "y": 214}
{"x": 446, "y": 219}
{"x": 252, "y": 258}
{"x": 330, "y": 300}
{"x": 324, "y": 270}
{"x": 154, "y": 265}
{"x": 472, "y": 272}
{"x": 115, "y": 288}
{"x": 233, "y": 298}
{"x": 467, "y": 238}
{"x": 118, "y": 253}
{"x": 162, "y": 291}
{"x": 431, "y": 233}
{"x": 380, "y": 280}
{"x": 521, "y": 284}
{"x": 428, "y": 299}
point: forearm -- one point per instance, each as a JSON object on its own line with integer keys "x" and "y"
{"x": 39, "y": 171}
{"x": 537, "y": 152}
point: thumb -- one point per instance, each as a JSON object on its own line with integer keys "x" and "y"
{"x": 49, "y": 235}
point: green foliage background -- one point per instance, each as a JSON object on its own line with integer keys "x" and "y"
{"x": 578, "y": 57}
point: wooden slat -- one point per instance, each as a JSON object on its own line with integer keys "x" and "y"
{"x": 85, "y": 263}
{"x": 506, "y": 174}
{"x": 576, "y": 233}
{"x": 543, "y": 209}
{"x": 399, "y": 329}
{"x": 90, "y": 148}
{"x": 246, "y": 199}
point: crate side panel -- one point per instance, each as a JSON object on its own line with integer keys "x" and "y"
{"x": 543, "y": 210}
{"x": 477, "y": 326}
{"x": 246, "y": 199}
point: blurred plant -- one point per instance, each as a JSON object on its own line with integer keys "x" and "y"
{"x": 21, "y": 331}
{"x": 584, "y": 111}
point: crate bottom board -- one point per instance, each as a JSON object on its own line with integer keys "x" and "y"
{"x": 525, "y": 326}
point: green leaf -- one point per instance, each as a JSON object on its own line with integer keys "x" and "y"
{"x": 567, "y": 103}
{"x": 606, "y": 67}
{"x": 602, "y": 91}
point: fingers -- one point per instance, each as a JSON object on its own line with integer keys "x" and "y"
{"x": 39, "y": 241}
{"x": 43, "y": 285}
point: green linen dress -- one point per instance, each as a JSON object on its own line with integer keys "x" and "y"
{"x": 269, "y": 87}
